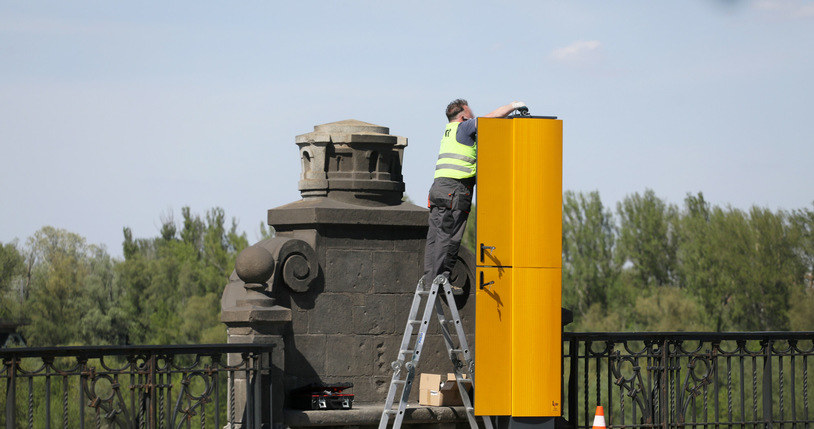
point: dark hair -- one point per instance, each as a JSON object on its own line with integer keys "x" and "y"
{"x": 456, "y": 107}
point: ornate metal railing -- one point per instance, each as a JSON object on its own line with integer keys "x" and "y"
{"x": 136, "y": 386}
{"x": 695, "y": 380}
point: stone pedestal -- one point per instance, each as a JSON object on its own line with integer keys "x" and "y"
{"x": 338, "y": 278}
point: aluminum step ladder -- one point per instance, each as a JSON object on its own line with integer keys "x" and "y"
{"x": 404, "y": 367}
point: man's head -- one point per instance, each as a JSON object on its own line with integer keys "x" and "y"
{"x": 459, "y": 111}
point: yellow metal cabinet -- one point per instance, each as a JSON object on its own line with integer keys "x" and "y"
{"x": 536, "y": 342}
{"x": 536, "y": 192}
{"x": 495, "y": 215}
{"x": 518, "y": 344}
{"x": 494, "y": 362}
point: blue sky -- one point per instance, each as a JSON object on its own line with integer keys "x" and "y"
{"x": 115, "y": 114}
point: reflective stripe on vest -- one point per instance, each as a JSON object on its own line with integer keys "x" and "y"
{"x": 456, "y": 160}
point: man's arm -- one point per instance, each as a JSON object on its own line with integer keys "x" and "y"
{"x": 503, "y": 111}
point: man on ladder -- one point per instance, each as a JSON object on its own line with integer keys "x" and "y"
{"x": 449, "y": 201}
{"x": 450, "y": 195}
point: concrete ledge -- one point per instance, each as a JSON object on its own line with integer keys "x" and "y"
{"x": 369, "y": 415}
{"x": 323, "y": 210}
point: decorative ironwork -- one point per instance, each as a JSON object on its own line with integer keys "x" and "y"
{"x": 699, "y": 380}
{"x": 136, "y": 386}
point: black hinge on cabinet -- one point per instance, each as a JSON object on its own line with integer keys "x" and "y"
{"x": 482, "y": 284}
{"x": 483, "y": 249}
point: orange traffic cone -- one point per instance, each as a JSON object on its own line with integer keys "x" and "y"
{"x": 599, "y": 420}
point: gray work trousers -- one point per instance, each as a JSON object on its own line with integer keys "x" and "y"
{"x": 449, "y": 201}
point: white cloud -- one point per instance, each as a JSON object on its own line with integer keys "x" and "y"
{"x": 579, "y": 52}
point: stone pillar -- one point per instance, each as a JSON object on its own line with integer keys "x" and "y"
{"x": 334, "y": 286}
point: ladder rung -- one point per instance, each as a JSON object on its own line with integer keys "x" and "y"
{"x": 401, "y": 364}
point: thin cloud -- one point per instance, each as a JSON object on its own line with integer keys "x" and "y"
{"x": 579, "y": 52}
{"x": 22, "y": 25}
{"x": 788, "y": 8}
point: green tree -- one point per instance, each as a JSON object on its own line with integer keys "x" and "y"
{"x": 470, "y": 239}
{"x": 801, "y": 308}
{"x": 104, "y": 319}
{"x": 773, "y": 269}
{"x": 60, "y": 267}
{"x": 742, "y": 266}
{"x": 667, "y": 308}
{"x": 173, "y": 282}
{"x": 588, "y": 238}
{"x": 647, "y": 238}
{"x": 802, "y": 221}
{"x": 266, "y": 231}
{"x": 12, "y": 264}
{"x": 702, "y": 255}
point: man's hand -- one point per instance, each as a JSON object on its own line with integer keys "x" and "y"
{"x": 503, "y": 111}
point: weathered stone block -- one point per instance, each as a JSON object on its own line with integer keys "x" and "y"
{"x": 360, "y": 236}
{"x": 305, "y": 355}
{"x": 349, "y": 355}
{"x": 349, "y": 270}
{"x": 238, "y": 330}
{"x": 371, "y": 389}
{"x": 385, "y": 351}
{"x": 434, "y": 357}
{"x": 332, "y": 314}
{"x": 379, "y": 387}
{"x": 401, "y": 311}
{"x": 278, "y": 351}
{"x": 300, "y": 319}
{"x": 395, "y": 272}
{"x": 375, "y": 315}
{"x": 343, "y": 242}
{"x": 415, "y": 244}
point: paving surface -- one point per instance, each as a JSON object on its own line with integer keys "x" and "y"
{"x": 369, "y": 415}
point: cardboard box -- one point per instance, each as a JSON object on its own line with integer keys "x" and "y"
{"x": 435, "y": 390}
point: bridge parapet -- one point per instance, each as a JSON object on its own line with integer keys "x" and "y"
{"x": 664, "y": 379}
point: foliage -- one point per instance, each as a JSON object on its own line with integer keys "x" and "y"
{"x": 166, "y": 290}
{"x": 69, "y": 285}
{"x": 12, "y": 264}
{"x": 587, "y": 251}
{"x": 698, "y": 268}
{"x": 469, "y": 239}
{"x": 649, "y": 265}
{"x": 173, "y": 282}
{"x": 647, "y": 239}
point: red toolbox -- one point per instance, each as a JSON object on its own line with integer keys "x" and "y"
{"x": 317, "y": 396}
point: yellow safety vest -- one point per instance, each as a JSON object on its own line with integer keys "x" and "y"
{"x": 456, "y": 160}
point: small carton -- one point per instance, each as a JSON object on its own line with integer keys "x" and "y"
{"x": 436, "y": 390}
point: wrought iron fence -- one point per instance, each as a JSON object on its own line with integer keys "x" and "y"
{"x": 137, "y": 386}
{"x": 689, "y": 380}
{"x": 643, "y": 380}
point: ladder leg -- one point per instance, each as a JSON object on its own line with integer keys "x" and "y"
{"x": 398, "y": 364}
{"x": 468, "y": 365}
{"x": 402, "y": 363}
{"x": 407, "y": 361}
